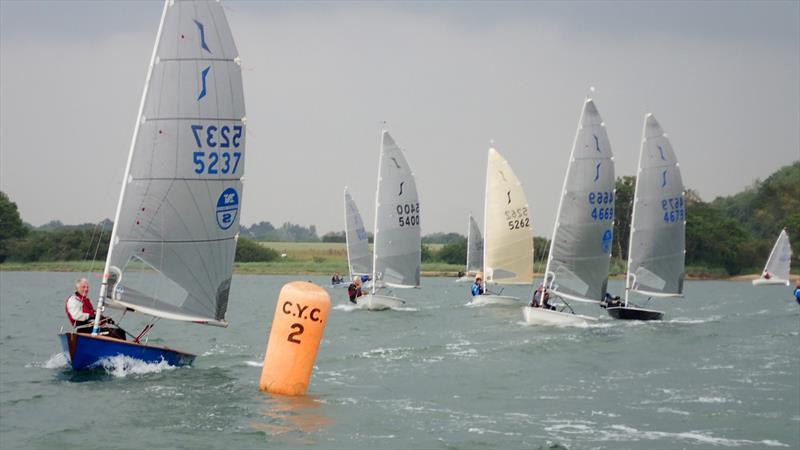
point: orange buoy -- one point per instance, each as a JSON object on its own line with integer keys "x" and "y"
{"x": 300, "y": 318}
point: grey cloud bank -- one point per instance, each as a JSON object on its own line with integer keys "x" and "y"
{"x": 722, "y": 78}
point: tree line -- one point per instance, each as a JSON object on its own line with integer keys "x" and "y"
{"x": 733, "y": 233}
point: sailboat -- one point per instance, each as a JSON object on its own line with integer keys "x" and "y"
{"x": 173, "y": 243}
{"x": 577, "y": 263}
{"x": 508, "y": 243}
{"x": 474, "y": 251}
{"x": 398, "y": 244}
{"x": 359, "y": 259}
{"x": 776, "y": 271}
{"x": 656, "y": 250}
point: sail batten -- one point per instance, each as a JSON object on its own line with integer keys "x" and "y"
{"x": 577, "y": 264}
{"x": 658, "y": 223}
{"x": 173, "y": 243}
{"x": 508, "y": 239}
{"x": 398, "y": 243}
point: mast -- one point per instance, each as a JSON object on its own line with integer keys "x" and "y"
{"x": 375, "y": 225}
{"x": 628, "y": 276}
{"x": 485, "y": 280}
{"x": 104, "y": 283}
{"x": 347, "y": 237}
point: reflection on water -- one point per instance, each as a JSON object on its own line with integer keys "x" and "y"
{"x": 284, "y": 416}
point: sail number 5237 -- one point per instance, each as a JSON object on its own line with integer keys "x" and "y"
{"x": 216, "y": 162}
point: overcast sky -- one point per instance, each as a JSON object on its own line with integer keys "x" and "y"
{"x": 722, "y": 78}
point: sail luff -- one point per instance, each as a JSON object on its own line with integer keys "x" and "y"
{"x": 628, "y": 281}
{"x": 347, "y": 235}
{"x": 469, "y": 237}
{"x": 128, "y": 163}
{"x": 375, "y": 224}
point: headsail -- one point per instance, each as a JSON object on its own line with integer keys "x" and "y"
{"x": 779, "y": 261}
{"x": 577, "y": 267}
{"x": 398, "y": 244}
{"x": 657, "y": 242}
{"x": 174, "y": 237}
{"x": 474, "y": 248}
{"x": 359, "y": 259}
{"x": 508, "y": 242}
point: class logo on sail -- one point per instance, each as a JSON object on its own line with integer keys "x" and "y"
{"x": 227, "y": 208}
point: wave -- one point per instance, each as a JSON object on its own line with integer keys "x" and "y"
{"x": 121, "y": 366}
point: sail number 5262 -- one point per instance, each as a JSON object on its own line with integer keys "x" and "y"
{"x": 216, "y": 162}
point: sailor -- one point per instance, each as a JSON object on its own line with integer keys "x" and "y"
{"x": 80, "y": 312}
{"x": 336, "y": 278}
{"x": 766, "y": 275}
{"x": 609, "y": 301}
{"x": 538, "y": 302}
{"x": 797, "y": 291}
{"x": 354, "y": 290}
{"x": 477, "y": 286}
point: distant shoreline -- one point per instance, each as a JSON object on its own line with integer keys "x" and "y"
{"x": 305, "y": 268}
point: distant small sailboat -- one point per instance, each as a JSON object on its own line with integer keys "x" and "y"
{"x": 474, "y": 251}
{"x": 398, "y": 243}
{"x": 656, "y": 250}
{"x": 776, "y": 271}
{"x": 359, "y": 258}
{"x": 577, "y": 264}
{"x": 508, "y": 242}
{"x": 173, "y": 243}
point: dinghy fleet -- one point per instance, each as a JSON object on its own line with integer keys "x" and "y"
{"x": 173, "y": 243}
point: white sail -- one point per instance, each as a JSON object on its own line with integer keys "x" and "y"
{"x": 398, "y": 243}
{"x": 577, "y": 266}
{"x": 174, "y": 237}
{"x": 657, "y": 241}
{"x": 359, "y": 259}
{"x": 474, "y": 248}
{"x": 779, "y": 262}
{"x": 508, "y": 239}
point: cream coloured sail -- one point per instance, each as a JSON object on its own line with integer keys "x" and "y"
{"x": 359, "y": 259}
{"x": 508, "y": 239}
{"x": 174, "y": 239}
{"x": 398, "y": 242}
{"x": 577, "y": 265}
{"x": 657, "y": 240}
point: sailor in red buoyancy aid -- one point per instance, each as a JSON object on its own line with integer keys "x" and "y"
{"x": 80, "y": 312}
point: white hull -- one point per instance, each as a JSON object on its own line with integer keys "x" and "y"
{"x": 491, "y": 299}
{"x": 771, "y": 281}
{"x": 540, "y": 316}
{"x": 376, "y": 302}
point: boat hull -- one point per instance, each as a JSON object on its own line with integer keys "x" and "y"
{"x": 85, "y": 351}
{"x": 491, "y": 299}
{"x": 623, "y": 313}
{"x": 771, "y": 281}
{"x": 377, "y": 302}
{"x": 541, "y": 316}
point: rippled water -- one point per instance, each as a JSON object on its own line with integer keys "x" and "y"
{"x": 722, "y": 370}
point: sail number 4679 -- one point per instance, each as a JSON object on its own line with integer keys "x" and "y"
{"x": 216, "y": 162}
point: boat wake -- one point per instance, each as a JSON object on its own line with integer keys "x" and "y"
{"x": 56, "y": 361}
{"x": 121, "y": 366}
{"x": 346, "y": 307}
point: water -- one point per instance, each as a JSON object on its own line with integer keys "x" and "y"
{"x": 722, "y": 370}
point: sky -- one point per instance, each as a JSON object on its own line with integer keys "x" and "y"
{"x": 448, "y": 78}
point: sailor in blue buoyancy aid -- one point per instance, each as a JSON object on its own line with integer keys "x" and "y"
{"x": 797, "y": 291}
{"x": 477, "y": 286}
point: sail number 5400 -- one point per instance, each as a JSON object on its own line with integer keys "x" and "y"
{"x": 216, "y": 162}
